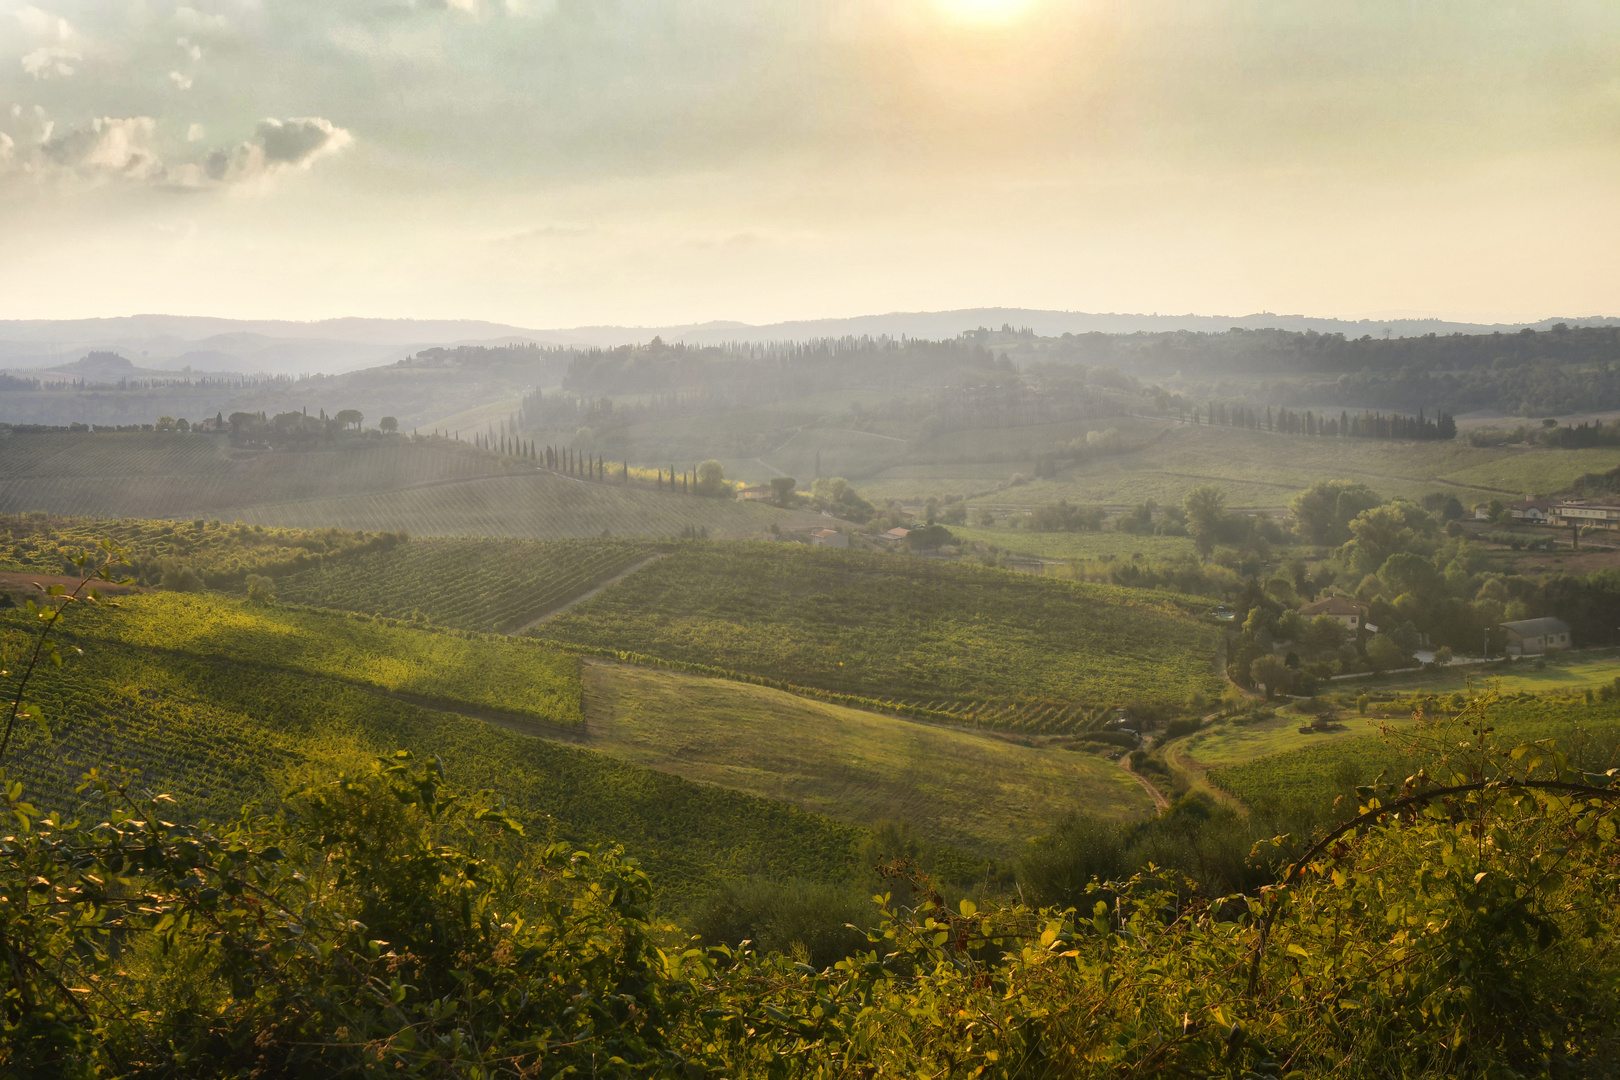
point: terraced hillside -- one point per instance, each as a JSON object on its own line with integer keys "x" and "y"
{"x": 219, "y": 701}
{"x": 428, "y": 487}
{"x": 514, "y": 676}
{"x": 216, "y": 732}
{"x": 490, "y": 585}
{"x": 985, "y": 646}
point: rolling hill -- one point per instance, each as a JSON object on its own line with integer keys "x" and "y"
{"x": 980, "y": 645}
{"x": 217, "y": 727}
{"x": 430, "y": 487}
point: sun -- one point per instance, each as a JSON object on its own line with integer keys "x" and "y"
{"x": 984, "y": 12}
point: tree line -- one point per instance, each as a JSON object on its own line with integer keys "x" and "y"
{"x": 1365, "y": 425}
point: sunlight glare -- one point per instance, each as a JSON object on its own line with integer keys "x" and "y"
{"x": 985, "y": 11}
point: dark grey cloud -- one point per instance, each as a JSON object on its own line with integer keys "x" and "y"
{"x": 278, "y": 145}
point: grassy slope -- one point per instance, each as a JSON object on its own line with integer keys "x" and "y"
{"x": 1078, "y": 545}
{"x": 217, "y": 733}
{"x": 977, "y": 793}
{"x": 1277, "y": 772}
{"x": 899, "y": 628}
{"x": 511, "y": 675}
{"x": 430, "y": 487}
{"x": 540, "y": 506}
{"x": 173, "y": 475}
{"x": 1230, "y": 744}
{"x": 486, "y": 584}
{"x": 1574, "y": 671}
{"x": 1256, "y": 468}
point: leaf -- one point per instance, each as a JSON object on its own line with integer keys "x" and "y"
{"x": 1295, "y": 950}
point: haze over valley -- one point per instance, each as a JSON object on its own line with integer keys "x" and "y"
{"x": 1002, "y": 538}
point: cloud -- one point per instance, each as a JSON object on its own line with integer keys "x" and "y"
{"x": 108, "y": 147}
{"x": 181, "y": 80}
{"x": 278, "y": 146}
{"x": 48, "y": 62}
{"x": 58, "y": 46}
{"x": 129, "y": 148}
{"x": 197, "y": 23}
{"x": 300, "y": 141}
{"x": 42, "y": 25}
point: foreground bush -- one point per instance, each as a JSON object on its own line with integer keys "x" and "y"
{"x": 1463, "y": 927}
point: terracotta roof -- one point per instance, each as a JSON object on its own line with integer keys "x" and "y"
{"x": 1537, "y": 627}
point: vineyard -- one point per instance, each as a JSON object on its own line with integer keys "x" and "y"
{"x": 488, "y": 585}
{"x": 218, "y": 554}
{"x": 509, "y": 675}
{"x": 216, "y": 734}
{"x": 946, "y": 640}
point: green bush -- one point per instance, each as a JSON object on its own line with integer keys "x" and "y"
{"x": 813, "y": 921}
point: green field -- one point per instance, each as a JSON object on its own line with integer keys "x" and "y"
{"x": 541, "y": 506}
{"x": 428, "y": 487}
{"x": 1571, "y": 672}
{"x": 977, "y": 793}
{"x": 1269, "y": 769}
{"x": 1076, "y": 545}
{"x": 492, "y": 585}
{"x": 1256, "y": 468}
{"x": 990, "y": 646}
{"x": 216, "y": 733}
{"x": 163, "y": 474}
{"x": 507, "y": 674}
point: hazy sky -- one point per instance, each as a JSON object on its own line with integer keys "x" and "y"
{"x": 568, "y": 162}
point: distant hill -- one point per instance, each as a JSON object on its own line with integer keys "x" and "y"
{"x": 111, "y": 367}
{"x": 335, "y": 345}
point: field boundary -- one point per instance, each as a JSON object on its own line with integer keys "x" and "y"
{"x": 895, "y": 709}
{"x": 593, "y": 590}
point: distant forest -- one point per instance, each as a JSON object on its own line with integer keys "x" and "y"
{"x": 1560, "y": 370}
{"x": 981, "y": 379}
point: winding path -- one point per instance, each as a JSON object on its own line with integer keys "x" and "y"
{"x": 1160, "y": 803}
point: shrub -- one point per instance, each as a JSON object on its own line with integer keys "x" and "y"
{"x": 814, "y": 922}
{"x": 260, "y": 589}
{"x": 1059, "y": 868}
{"x": 1184, "y": 726}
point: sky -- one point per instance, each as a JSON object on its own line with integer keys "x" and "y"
{"x": 654, "y": 162}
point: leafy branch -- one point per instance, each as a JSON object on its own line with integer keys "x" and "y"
{"x": 51, "y": 614}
